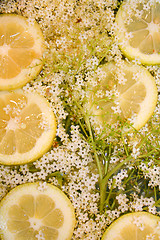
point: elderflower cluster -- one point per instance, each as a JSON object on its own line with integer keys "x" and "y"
{"x": 78, "y": 37}
{"x": 152, "y": 173}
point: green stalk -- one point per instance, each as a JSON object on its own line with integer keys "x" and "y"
{"x": 125, "y": 148}
{"x": 149, "y": 153}
{"x": 101, "y": 185}
{"x": 84, "y": 131}
{"x": 155, "y": 194}
{"x": 102, "y": 194}
{"x": 116, "y": 168}
{"x": 92, "y": 139}
{"x": 107, "y": 160}
{"x": 94, "y": 151}
{"x": 104, "y": 181}
{"x": 109, "y": 194}
{"x": 157, "y": 203}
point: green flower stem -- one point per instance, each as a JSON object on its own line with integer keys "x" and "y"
{"x": 109, "y": 194}
{"x": 107, "y": 160}
{"x": 148, "y": 154}
{"x": 92, "y": 139}
{"x": 125, "y": 148}
{"x": 155, "y": 194}
{"x": 102, "y": 195}
{"x": 84, "y": 131}
{"x": 101, "y": 185}
{"x": 124, "y": 183}
{"x": 94, "y": 151}
{"x": 157, "y": 203}
{"x": 104, "y": 181}
{"x": 116, "y": 168}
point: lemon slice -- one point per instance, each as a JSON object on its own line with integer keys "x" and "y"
{"x": 28, "y": 213}
{"x": 126, "y": 92}
{"x": 134, "y": 226}
{"x": 27, "y": 127}
{"x": 21, "y": 50}
{"x": 138, "y": 30}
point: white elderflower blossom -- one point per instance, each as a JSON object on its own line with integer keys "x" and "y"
{"x": 150, "y": 237}
{"x": 139, "y": 223}
{"x": 42, "y": 186}
{"x": 152, "y": 209}
{"x": 135, "y": 152}
{"x": 79, "y": 38}
{"x": 116, "y": 109}
{"x": 119, "y": 177}
{"x": 40, "y": 236}
{"x": 7, "y": 109}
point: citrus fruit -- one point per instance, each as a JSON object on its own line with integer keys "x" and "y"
{"x": 126, "y": 92}
{"x": 21, "y": 50}
{"x": 27, "y": 127}
{"x": 134, "y": 226}
{"x": 28, "y": 212}
{"x": 138, "y": 30}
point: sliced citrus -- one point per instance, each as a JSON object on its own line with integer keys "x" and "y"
{"x": 138, "y": 30}
{"x": 21, "y": 50}
{"x": 28, "y": 213}
{"x": 134, "y": 226}
{"x": 126, "y": 92}
{"x": 27, "y": 127}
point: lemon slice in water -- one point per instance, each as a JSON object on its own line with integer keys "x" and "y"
{"x": 127, "y": 92}
{"x": 27, "y": 127}
{"x": 21, "y": 50}
{"x": 134, "y": 226}
{"x": 28, "y": 213}
{"x": 138, "y": 30}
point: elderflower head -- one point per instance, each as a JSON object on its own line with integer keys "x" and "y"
{"x": 139, "y": 223}
{"x": 75, "y": 33}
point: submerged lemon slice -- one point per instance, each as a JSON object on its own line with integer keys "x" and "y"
{"x": 127, "y": 92}
{"x": 21, "y": 50}
{"x": 138, "y": 30}
{"x": 28, "y": 214}
{"x": 27, "y": 127}
{"x": 134, "y": 226}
